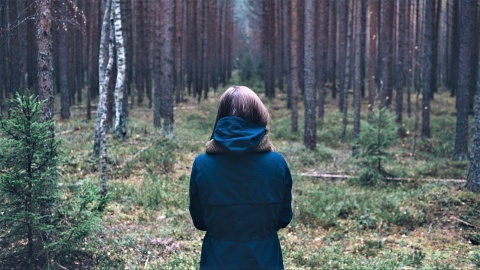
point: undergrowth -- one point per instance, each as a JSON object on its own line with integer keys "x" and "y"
{"x": 336, "y": 225}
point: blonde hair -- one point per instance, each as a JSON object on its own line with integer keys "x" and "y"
{"x": 242, "y": 102}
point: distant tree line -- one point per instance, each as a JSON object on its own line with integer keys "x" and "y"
{"x": 396, "y": 54}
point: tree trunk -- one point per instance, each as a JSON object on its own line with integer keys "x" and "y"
{"x": 386, "y": 51}
{"x": 400, "y": 66}
{"x": 466, "y": 75}
{"x": 22, "y": 59}
{"x": 157, "y": 69}
{"x": 287, "y": 9}
{"x": 140, "y": 48}
{"x": 179, "y": 64}
{"x": 357, "y": 87}
{"x": 427, "y": 67}
{"x": 294, "y": 68}
{"x": 342, "y": 13}
{"x": 104, "y": 71}
{"x": 346, "y": 76}
{"x": 372, "y": 56}
{"x": 268, "y": 21}
{"x": 332, "y": 48}
{"x": 168, "y": 65}
{"x": 120, "y": 116}
{"x": 63, "y": 64}
{"x": 473, "y": 176}
{"x": 310, "y": 128}
{"x": 322, "y": 47}
{"x": 44, "y": 39}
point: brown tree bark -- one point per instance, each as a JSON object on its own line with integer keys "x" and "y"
{"x": 44, "y": 43}
{"x": 310, "y": 127}
{"x": 346, "y": 77}
{"x": 342, "y": 13}
{"x": 400, "y": 61}
{"x": 372, "y": 57}
{"x": 140, "y": 48}
{"x": 357, "y": 87}
{"x": 332, "y": 48}
{"x": 386, "y": 51}
{"x": 322, "y": 47}
{"x": 294, "y": 68}
{"x": 63, "y": 67}
{"x": 473, "y": 176}
{"x": 466, "y": 75}
{"x": 168, "y": 66}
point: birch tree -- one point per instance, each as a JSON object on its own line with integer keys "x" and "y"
{"x": 104, "y": 71}
{"x": 120, "y": 115}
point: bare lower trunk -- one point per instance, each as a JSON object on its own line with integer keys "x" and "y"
{"x": 104, "y": 78}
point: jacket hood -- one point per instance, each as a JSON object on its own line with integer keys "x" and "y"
{"x": 237, "y": 134}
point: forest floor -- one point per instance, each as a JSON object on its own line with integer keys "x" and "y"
{"x": 338, "y": 224}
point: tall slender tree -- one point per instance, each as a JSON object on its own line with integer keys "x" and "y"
{"x": 44, "y": 43}
{"x": 342, "y": 11}
{"x": 63, "y": 63}
{"x": 157, "y": 69}
{"x": 372, "y": 54}
{"x": 321, "y": 56}
{"x": 120, "y": 115}
{"x": 346, "y": 79}
{"x": 357, "y": 87}
{"x": 310, "y": 127}
{"x": 473, "y": 176}
{"x": 104, "y": 69}
{"x": 427, "y": 61}
{"x": 386, "y": 51}
{"x": 465, "y": 76}
{"x": 168, "y": 66}
{"x": 400, "y": 60}
{"x": 294, "y": 67}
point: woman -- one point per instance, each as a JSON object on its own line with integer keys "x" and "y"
{"x": 240, "y": 189}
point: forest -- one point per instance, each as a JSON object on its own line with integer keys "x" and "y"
{"x": 104, "y": 105}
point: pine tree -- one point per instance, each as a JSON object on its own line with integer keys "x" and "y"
{"x": 39, "y": 217}
{"x": 28, "y": 183}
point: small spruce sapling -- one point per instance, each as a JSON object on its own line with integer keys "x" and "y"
{"x": 41, "y": 222}
{"x": 28, "y": 182}
{"x": 373, "y": 144}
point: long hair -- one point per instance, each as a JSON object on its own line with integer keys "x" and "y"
{"x": 241, "y": 101}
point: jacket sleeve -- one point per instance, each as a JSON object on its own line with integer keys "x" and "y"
{"x": 286, "y": 212}
{"x": 195, "y": 207}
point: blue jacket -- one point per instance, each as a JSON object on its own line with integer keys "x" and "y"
{"x": 240, "y": 197}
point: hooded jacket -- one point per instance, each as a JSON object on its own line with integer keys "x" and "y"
{"x": 240, "y": 194}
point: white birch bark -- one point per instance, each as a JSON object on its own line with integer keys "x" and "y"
{"x": 102, "y": 66}
{"x": 104, "y": 78}
{"x": 120, "y": 125}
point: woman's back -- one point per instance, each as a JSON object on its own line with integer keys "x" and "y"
{"x": 240, "y": 189}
